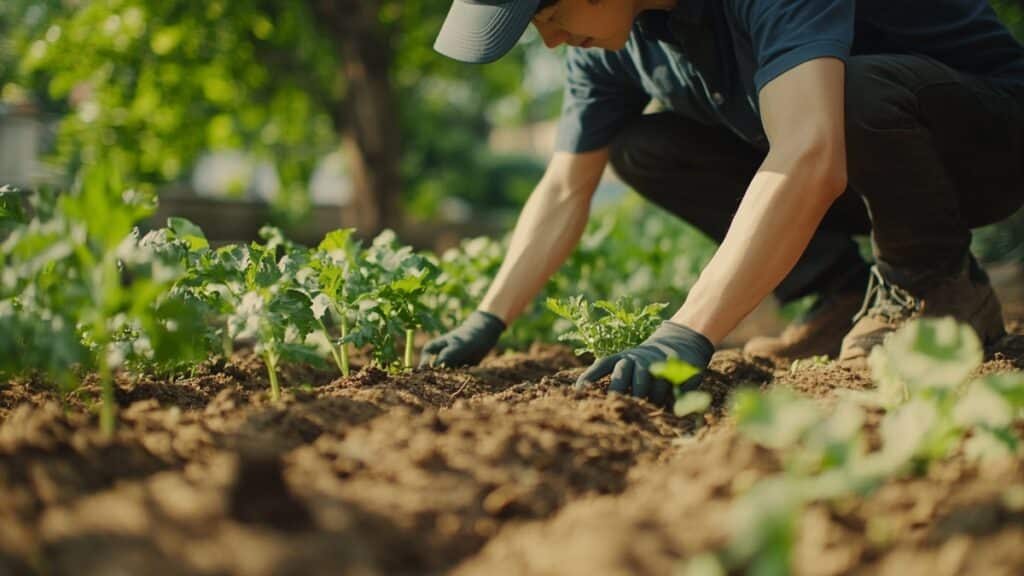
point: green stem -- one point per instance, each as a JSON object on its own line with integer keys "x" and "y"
{"x": 275, "y": 389}
{"x": 226, "y": 343}
{"x": 409, "y": 332}
{"x": 334, "y": 349}
{"x": 344, "y": 347}
{"x": 108, "y": 409}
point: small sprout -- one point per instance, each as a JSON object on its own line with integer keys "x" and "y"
{"x": 679, "y": 373}
{"x": 696, "y": 402}
{"x": 821, "y": 360}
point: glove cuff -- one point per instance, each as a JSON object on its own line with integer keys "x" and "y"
{"x": 487, "y": 321}
{"x": 701, "y": 345}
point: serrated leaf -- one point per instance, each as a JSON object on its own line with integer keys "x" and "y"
{"x": 336, "y": 240}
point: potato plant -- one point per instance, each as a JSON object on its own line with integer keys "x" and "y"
{"x": 78, "y": 277}
{"x": 397, "y": 304}
{"x": 932, "y": 406}
{"x": 273, "y": 311}
{"x": 604, "y": 328}
{"x": 333, "y": 282}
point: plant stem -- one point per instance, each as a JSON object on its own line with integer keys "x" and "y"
{"x": 108, "y": 411}
{"x": 334, "y": 349}
{"x": 409, "y": 332}
{"x": 275, "y": 389}
{"x": 344, "y": 346}
{"x": 226, "y": 343}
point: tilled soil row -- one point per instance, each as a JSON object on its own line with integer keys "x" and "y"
{"x": 500, "y": 469}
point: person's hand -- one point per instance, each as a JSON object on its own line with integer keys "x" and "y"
{"x": 630, "y": 369}
{"x": 465, "y": 345}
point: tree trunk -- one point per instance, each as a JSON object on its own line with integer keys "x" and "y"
{"x": 368, "y": 119}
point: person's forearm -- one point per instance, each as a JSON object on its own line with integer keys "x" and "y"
{"x": 547, "y": 231}
{"x": 776, "y": 219}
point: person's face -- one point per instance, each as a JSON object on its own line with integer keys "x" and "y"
{"x": 585, "y": 23}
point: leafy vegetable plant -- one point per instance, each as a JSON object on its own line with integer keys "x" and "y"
{"x": 604, "y": 328}
{"x": 272, "y": 310}
{"x": 83, "y": 287}
{"x": 397, "y": 304}
{"x": 923, "y": 381}
{"x": 334, "y": 282}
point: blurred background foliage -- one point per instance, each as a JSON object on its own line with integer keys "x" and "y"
{"x": 163, "y": 82}
{"x": 154, "y": 86}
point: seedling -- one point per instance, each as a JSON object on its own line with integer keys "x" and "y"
{"x": 397, "y": 304}
{"x": 334, "y": 282}
{"x": 605, "y": 328}
{"x": 922, "y": 373}
{"x": 679, "y": 373}
{"x": 81, "y": 287}
{"x": 272, "y": 310}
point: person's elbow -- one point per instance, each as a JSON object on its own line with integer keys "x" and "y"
{"x": 818, "y": 159}
{"x": 575, "y": 177}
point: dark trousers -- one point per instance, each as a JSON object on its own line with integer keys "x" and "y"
{"x": 931, "y": 153}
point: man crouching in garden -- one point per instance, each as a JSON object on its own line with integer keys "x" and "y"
{"x": 790, "y": 126}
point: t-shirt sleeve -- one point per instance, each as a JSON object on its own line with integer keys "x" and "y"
{"x": 787, "y": 33}
{"x": 601, "y": 95}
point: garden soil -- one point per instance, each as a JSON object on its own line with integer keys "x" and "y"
{"x": 498, "y": 469}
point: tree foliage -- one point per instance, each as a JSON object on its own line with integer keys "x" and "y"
{"x": 162, "y": 82}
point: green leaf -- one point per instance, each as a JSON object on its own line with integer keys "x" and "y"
{"x": 11, "y": 209}
{"x": 1009, "y": 385}
{"x": 904, "y": 434}
{"x": 695, "y": 402}
{"x": 674, "y": 370}
{"x": 185, "y": 230}
{"x": 926, "y": 354}
{"x": 981, "y": 405}
{"x": 336, "y": 241}
{"x": 991, "y": 444}
{"x": 776, "y": 419}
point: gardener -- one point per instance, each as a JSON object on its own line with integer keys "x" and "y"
{"x": 790, "y": 126}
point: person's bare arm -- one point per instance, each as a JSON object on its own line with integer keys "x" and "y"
{"x": 548, "y": 229}
{"x": 804, "y": 172}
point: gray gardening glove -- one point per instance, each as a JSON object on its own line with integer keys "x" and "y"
{"x": 465, "y": 345}
{"x": 630, "y": 369}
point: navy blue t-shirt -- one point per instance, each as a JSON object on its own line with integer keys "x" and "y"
{"x": 708, "y": 59}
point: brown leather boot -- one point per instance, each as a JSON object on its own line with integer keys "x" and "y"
{"x": 968, "y": 297}
{"x": 819, "y": 333}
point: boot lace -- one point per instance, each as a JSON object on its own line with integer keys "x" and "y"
{"x": 887, "y": 300}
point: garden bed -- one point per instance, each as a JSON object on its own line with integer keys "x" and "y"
{"x": 498, "y": 469}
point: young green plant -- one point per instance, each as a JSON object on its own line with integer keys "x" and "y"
{"x": 604, "y": 328}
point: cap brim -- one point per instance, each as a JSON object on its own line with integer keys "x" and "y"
{"x": 482, "y": 33}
